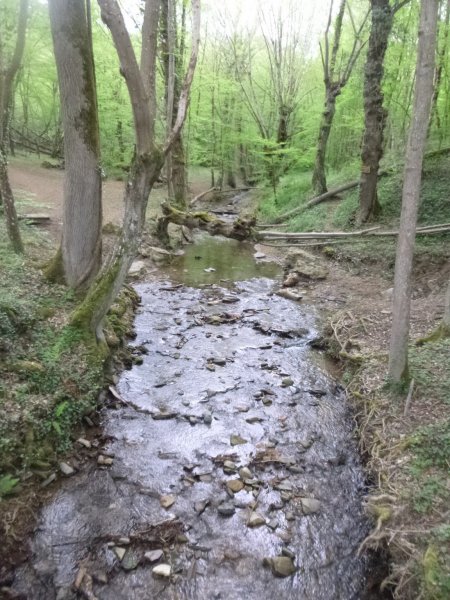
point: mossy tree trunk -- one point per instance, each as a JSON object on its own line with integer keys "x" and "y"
{"x": 375, "y": 114}
{"x": 8, "y": 72}
{"x": 173, "y": 44}
{"x": 401, "y": 305}
{"x": 79, "y": 258}
{"x": 146, "y": 166}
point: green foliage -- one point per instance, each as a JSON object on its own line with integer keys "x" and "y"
{"x": 7, "y": 485}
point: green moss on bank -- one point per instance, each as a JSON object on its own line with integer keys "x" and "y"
{"x": 50, "y": 374}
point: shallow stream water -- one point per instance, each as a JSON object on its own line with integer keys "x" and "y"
{"x": 228, "y": 376}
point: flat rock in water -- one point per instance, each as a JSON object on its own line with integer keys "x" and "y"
{"x": 245, "y": 473}
{"x": 131, "y": 560}
{"x": 236, "y": 440}
{"x": 162, "y": 570}
{"x": 153, "y": 555}
{"x": 226, "y": 509}
{"x": 167, "y": 501}
{"x": 310, "y": 505}
{"x": 119, "y": 552}
{"x": 256, "y": 520}
{"x": 282, "y": 566}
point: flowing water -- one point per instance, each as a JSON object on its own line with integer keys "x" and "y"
{"x": 228, "y": 376}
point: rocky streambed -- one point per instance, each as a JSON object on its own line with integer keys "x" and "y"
{"x": 227, "y": 467}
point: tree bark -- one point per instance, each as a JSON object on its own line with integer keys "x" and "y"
{"x": 319, "y": 181}
{"x": 398, "y": 353}
{"x": 374, "y": 112}
{"x": 145, "y": 170}
{"x": 79, "y": 258}
{"x": 7, "y": 76}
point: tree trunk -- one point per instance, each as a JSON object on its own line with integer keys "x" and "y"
{"x": 7, "y": 76}
{"x": 446, "y": 317}
{"x": 91, "y": 313}
{"x": 80, "y": 257}
{"x": 12, "y": 223}
{"x": 398, "y": 354}
{"x": 179, "y": 173}
{"x": 374, "y": 112}
{"x": 319, "y": 181}
{"x": 145, "y": 170}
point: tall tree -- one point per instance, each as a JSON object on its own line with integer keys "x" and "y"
{"x": 8, "y": 72}
{"x": 173, "y": 43}
{"x": 374, "y": 112}
{"x": 335, "y": 77}
{"x": 79, "y": 257}
{"x": 398, "y": 353}
{"x": 145, "y": 168}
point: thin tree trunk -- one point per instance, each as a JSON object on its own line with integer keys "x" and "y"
{"x": 12, "y": 223}
{"x": 7, "y": 76}
{"x": 79, "y": 258}
{"x": 398, "y": 354}
{"x": 319, "y": 180}
{"x": 374, "y": 112}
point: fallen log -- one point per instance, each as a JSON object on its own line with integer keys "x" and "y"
{"x": 344, "y": 235}
{"x": 318, "y": 199}
{"x": 239, "y": 229}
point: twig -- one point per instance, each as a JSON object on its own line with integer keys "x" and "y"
{"x": 409, "y": 398}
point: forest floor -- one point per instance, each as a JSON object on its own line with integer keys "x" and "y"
{"x": 406, "y": 448}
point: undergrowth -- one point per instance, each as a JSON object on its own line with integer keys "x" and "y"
{"x": 50, "y": 377}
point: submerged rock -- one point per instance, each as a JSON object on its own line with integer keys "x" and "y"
{"x": 226, "y": 509}
{"x": 282, "y": 566}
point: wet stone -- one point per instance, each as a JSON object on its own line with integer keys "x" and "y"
{"x": 287, "y": 382}
{"x": 119, "y": 552}
{"x": 83, "y": 442}
{"x": 282, "y": 566}
{"x": 229, "y": 466}
{"x": 162, "y": 570}
{"x": 167, "y": 501}
{"x": 245, "y": 473}
{"x": 226, "y": 509}
{"x": 273, "y": 524}
{"x": 131, "y": 560}
{"x": 104, "y": 461}
{"x": 235, "y": 485}
{"x": 66, "y": 469}
{"x": 200, "y": 506}
{"x": 310, "y": 506}
{"x": 153, "y": 555}
{"x": 255, "y": 520}
{"x": 236, "y": 440}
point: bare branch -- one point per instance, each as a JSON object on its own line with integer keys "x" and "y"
{"x": 113, "y": 18}
{"x": 148, "y": 55}
{"x": 398, "y": 5}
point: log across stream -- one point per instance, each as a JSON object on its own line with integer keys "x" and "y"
{"x": 229, "y": 468}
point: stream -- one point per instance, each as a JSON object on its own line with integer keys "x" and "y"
{"x": 227, "y": 466}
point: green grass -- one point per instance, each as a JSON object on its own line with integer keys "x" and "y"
{"x": 295, "y": 190}
{"x": 49, "y": 378}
